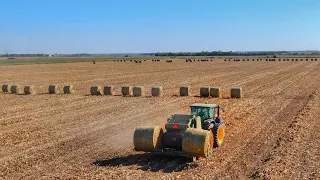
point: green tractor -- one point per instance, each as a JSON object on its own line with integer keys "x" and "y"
{"x": 192, "y": 135}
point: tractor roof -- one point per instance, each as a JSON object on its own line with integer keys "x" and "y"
{"x": 204, "y": 105}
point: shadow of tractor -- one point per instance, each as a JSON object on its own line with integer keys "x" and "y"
{"x": 150, "y": 162}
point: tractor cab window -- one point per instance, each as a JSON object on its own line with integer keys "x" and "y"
{"x": 204, "y": 113}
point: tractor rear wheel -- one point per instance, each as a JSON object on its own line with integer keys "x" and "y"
{"x": 218, "y": 134}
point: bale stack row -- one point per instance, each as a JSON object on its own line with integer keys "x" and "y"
{"x": 155, "y": 60}
{"x": 18, "y": 89}
{"x": 126, "y": 91}
{"x": 214, "y": 92}
{"x": 56, "y": 89}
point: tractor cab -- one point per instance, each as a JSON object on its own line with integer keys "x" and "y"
{"x": 206, "y": 112}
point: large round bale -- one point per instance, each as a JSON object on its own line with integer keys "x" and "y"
{"x": 96, "y": 90}
{"x": 197, "y": 142}
{"x": 126, "y": 91}
{"x": 6, "y": 88}
{"x": 54, "y": 89}
{"x": 138, "y": 91}
{"x": 16, "y": 89}
{"x": 215, "y": 92}
{"x": 236, "y": 92}
{"x": 108, "y": 90}
{"x": 157, "y": 91}
{"x": 68, "y": 89}
{"x": 147, "y": 138}
{"x": 204, "y": 91}
{"x": 29, "y": 90}
{"x": 185, "y": 91}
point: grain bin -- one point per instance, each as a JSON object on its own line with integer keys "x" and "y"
{"x": 236, "y": 92}
{"x": 157, "y": 91}
{"x": 185, "y": 91}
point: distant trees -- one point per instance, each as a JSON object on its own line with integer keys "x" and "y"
{"x": 215, "y": 53}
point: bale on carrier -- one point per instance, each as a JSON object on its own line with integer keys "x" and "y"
{"x": 138, "y": 91}
{"x": 108, "y": 90}
{"x": 147, "y": 138}
{"x": 157, "y": 91}
{"x": 197, "y": 142}
{"x": 16, "y": 89}
{"x": 126, "y": 91}
{"x": 236, "y": 92}
{"x": 96, "y": 90}
{"x": 6, "y": 88}
{"x": 215, "y": 92}
{"x": 185, "y": 91}
{"x": 29, "y": 90}
{"x": 54, "y": 89}
{"x": 204, "y": 91}
{"x": 68, "y": 89}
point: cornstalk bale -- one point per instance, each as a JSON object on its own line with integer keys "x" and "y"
{"x": 215, "y": 92}
{"x": 16, "y": 89}
{"x": 185, "y": 91}
{"x": 157, "y": 91}
{"x": 204, "y": 91}
{"x": 6, "y": 88}
{"x": 138, "y": 91}
{"x": 108, "y": 90}
{"x": 96, "y": 90}
{"x": 29, "y": 90}
{"x": 236, "y": 92}
{"x": 197, "y": 142}
{"x": 126, "y": 91}
{"x": 54, "y": 89}
{"x": 147, "y": 138}
{"x": 68, "y": 89}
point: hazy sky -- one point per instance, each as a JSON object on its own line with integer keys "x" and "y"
{"x": 114, "y": 26}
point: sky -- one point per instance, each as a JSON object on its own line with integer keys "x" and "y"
{"x": 141, "y": 26}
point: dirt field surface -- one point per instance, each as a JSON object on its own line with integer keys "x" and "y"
{"x": 271, "y": 133}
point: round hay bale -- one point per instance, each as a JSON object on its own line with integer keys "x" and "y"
{"x": 198, "y": 142}
{"x": 108, "y": 90}
{"x": 185, "y": 91}
{"x": 147, "y": 138}
{"x": 68, "y": 89}
{"x": 96, "y": 90}
{"x": 204, "y": 91}
{"x": 29, "y": 90}
{"x": 215, "y": 92}
{"x": 138, "y": 91}
{"x": 126, "y": 91}
{"x": 16, "y": 89}
{"x": 54, "y": 89}
{"x": 6, "y": 88}
{"x": 157, "y": 91}
{"x": 236, "y": 92}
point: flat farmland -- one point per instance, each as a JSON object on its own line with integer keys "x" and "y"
{"x": 272, "y": 132}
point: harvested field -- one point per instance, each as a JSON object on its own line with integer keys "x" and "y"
{"x": 272, "y": 132}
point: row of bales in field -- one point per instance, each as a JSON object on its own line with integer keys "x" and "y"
{"x": 129, "y": 60}
{"x": 127, "y": 91}
{"x": 272, "y": 59}
{"x": 30, "y": 89}
{"x": 155, "y": 60}
{"x": 213, "y": 92}
{"x": 198, "y": 60}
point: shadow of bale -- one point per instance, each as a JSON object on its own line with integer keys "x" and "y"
{"x": 150, "y": 162}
